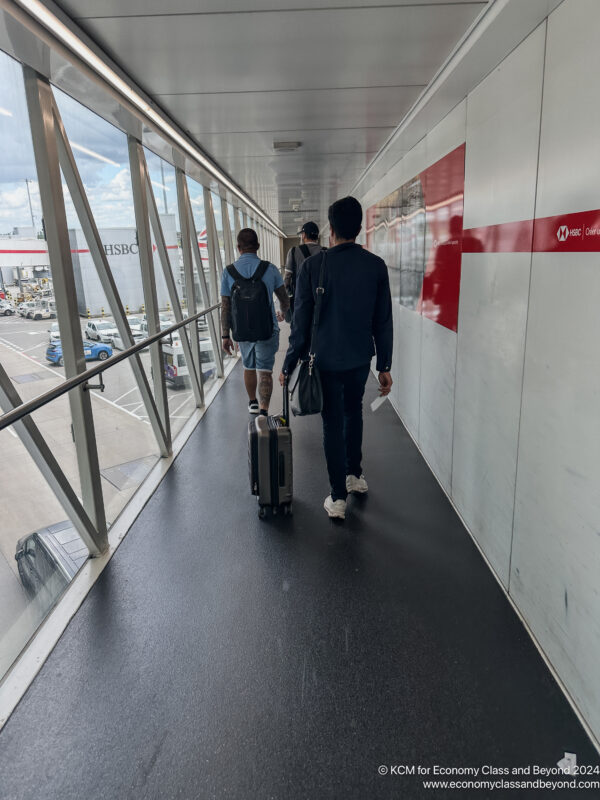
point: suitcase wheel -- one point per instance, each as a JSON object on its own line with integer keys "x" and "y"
{"x": 262, "y": 512}
{"x": 287, "y": 509}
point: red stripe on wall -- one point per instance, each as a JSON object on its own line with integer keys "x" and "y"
{"x": 565, "y": 233}
{"x": 568, "y": 233}
{"x": 509, "y": 237}
{"x": 23, "y": 251}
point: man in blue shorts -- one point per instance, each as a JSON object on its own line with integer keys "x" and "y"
{"x": 258, "y": 358}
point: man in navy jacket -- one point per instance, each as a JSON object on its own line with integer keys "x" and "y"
{"x": 355, "y": 324}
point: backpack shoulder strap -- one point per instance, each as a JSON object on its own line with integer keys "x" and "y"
{"x": 305, "y": 250}
{"x": 234, "y": 273}
{"x": 294, "y": 257}
{"x": 260, "y": 271}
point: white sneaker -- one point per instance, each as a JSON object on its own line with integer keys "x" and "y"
{"x": 335, "y": 508}
{"x": 356, "y": 485}
{"x": 253, "y": 406}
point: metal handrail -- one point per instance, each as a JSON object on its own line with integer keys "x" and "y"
{"x": 24, "y": 409}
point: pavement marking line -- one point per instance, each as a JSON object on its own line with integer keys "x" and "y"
{"x": 34, "y": 347}
{"x": 179, "y": 395}
{"x": 116, "y": 405}
{"x": 125, "y": 395}
{"x": 23, "y": 330}
{"x": 172, "y": 413}
{"x": 16, "y": 347}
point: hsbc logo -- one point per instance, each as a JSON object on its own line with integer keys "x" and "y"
{"x": 563, "y": 233}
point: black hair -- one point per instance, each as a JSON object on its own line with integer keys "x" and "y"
{"x": 345, "y": 217}
{"x": 247, "y": 240}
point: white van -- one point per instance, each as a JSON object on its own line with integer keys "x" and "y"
{"x": 175, "y": 366}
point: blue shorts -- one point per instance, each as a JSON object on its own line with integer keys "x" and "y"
{"x": 260, "y": 355}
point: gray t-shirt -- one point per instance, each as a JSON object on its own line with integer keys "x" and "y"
{"x": 313, "y": 247}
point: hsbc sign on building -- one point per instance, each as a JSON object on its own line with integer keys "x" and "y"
{"x": 122, "y": 251}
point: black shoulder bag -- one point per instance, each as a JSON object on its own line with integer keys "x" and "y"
{"x": 306, "y": 392}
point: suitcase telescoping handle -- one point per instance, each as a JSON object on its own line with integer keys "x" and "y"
{"x": 286, "y": 401}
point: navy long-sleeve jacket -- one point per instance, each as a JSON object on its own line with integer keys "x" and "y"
{"x": 356, "y": 313}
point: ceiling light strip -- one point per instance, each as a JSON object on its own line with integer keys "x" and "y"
{"x": 49, "y": 21}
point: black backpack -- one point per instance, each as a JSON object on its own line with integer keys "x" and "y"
{"x": 305, "y": 250}
{"x": 251, "y": 315}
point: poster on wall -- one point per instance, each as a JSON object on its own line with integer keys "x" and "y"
{"x": 384, "y": 236}
{"x": 412, "y": 249}
{"x": 418, "y": 231}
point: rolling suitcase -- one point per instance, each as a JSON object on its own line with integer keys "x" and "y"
{"x": 270, "y": 460}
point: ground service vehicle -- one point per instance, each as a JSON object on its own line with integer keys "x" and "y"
{"x": 175, "y": 366}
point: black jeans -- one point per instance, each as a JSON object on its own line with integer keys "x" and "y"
{"x": 343, "y": 425}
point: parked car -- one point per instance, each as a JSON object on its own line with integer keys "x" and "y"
{"x": 91, "y": 350}
{"x": 6, "y": 308}
{"x": 117, "y": 344}
{"x": 54, "y": 333}
{"x": 135, "y": 324}
{"x": 40, "y": 312}
{"x": 163, "y": 317}
{"x": 48, "y": 559}
{"x": 24, "y": 308}
{"x": 101, "y": 330}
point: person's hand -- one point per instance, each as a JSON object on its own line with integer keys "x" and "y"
{"x": 228, "y": 346}
{"x": 280, "y": 317}
{"x": 385, "y": 383}
{"x": 281, "y": 378}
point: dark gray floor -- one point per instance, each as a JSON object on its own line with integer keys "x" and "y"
{"x": 223, "y": 657}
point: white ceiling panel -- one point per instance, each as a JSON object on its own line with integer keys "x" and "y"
{"x": 256, "y": 52}
{"x": 336, "y": 75}
{"x": 117, "y": 8}
{"x": 260, "y": 144}
{"x": 295, "y": 111}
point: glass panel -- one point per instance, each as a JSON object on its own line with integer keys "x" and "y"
{"x": 162, "y": 177}
{"x": 232, "y": 212}
{"x": 33, "y": 521}
{"x": 180, "y": 395}
{"x": 40, "y": 550}
{"x": 216, "y": 202}
{"x": 196, "y": 193}
{"x": 101, "y": 154}
{"x": 127, "y": 448}
{"x": 24, "y": 264}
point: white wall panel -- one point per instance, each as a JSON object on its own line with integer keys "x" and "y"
{"x": 569, "y": 164}
{"x": 503, "y": 122}
{"x": 503, "y": 126}
{"x": 406, "y": 366}
{"x": 556, "y": 541}
{"x": 438, "y": 362}
{"x": 556, "y": 544}
{"x": 447, "y": 135}
{"x": 489, "y": 371}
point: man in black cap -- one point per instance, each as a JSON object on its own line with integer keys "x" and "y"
{"x": 309, "y": 246}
